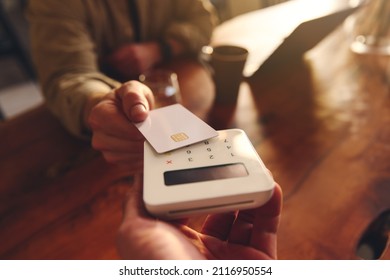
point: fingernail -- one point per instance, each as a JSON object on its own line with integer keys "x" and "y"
{"x": 138, "y": 112}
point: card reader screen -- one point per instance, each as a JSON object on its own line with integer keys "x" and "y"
{"x": 201, "y": 174}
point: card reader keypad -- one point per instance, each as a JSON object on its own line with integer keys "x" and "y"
{"x": 220, "y": 148}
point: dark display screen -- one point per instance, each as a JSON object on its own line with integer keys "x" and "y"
{"x": 201, "y": 174}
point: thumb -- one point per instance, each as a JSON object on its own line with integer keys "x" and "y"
{"x": 136, "y": 100}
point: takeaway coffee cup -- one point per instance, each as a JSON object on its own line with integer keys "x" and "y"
{"x": 227, "y": 64}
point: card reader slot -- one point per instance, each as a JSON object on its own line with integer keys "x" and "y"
{"x": 199, "y": 209}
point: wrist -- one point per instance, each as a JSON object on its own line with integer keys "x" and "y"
{"x": 90, "y": 103}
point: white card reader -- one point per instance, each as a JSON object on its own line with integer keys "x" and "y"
{"x": 221, "y": 174}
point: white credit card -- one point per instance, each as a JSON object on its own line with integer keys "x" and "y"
{"x": 172, "y": 127}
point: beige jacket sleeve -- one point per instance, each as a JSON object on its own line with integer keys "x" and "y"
{"x": 69, "y": 38}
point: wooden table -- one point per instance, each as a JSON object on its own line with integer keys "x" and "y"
{"x": 321, "y": 125}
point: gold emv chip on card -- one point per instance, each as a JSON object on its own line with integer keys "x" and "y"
{"x": 178, "y": 137}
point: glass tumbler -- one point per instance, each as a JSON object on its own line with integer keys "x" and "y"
{"x": 164, "y": 85}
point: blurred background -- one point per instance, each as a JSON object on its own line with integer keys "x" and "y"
{"x": 18, "y": 88}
